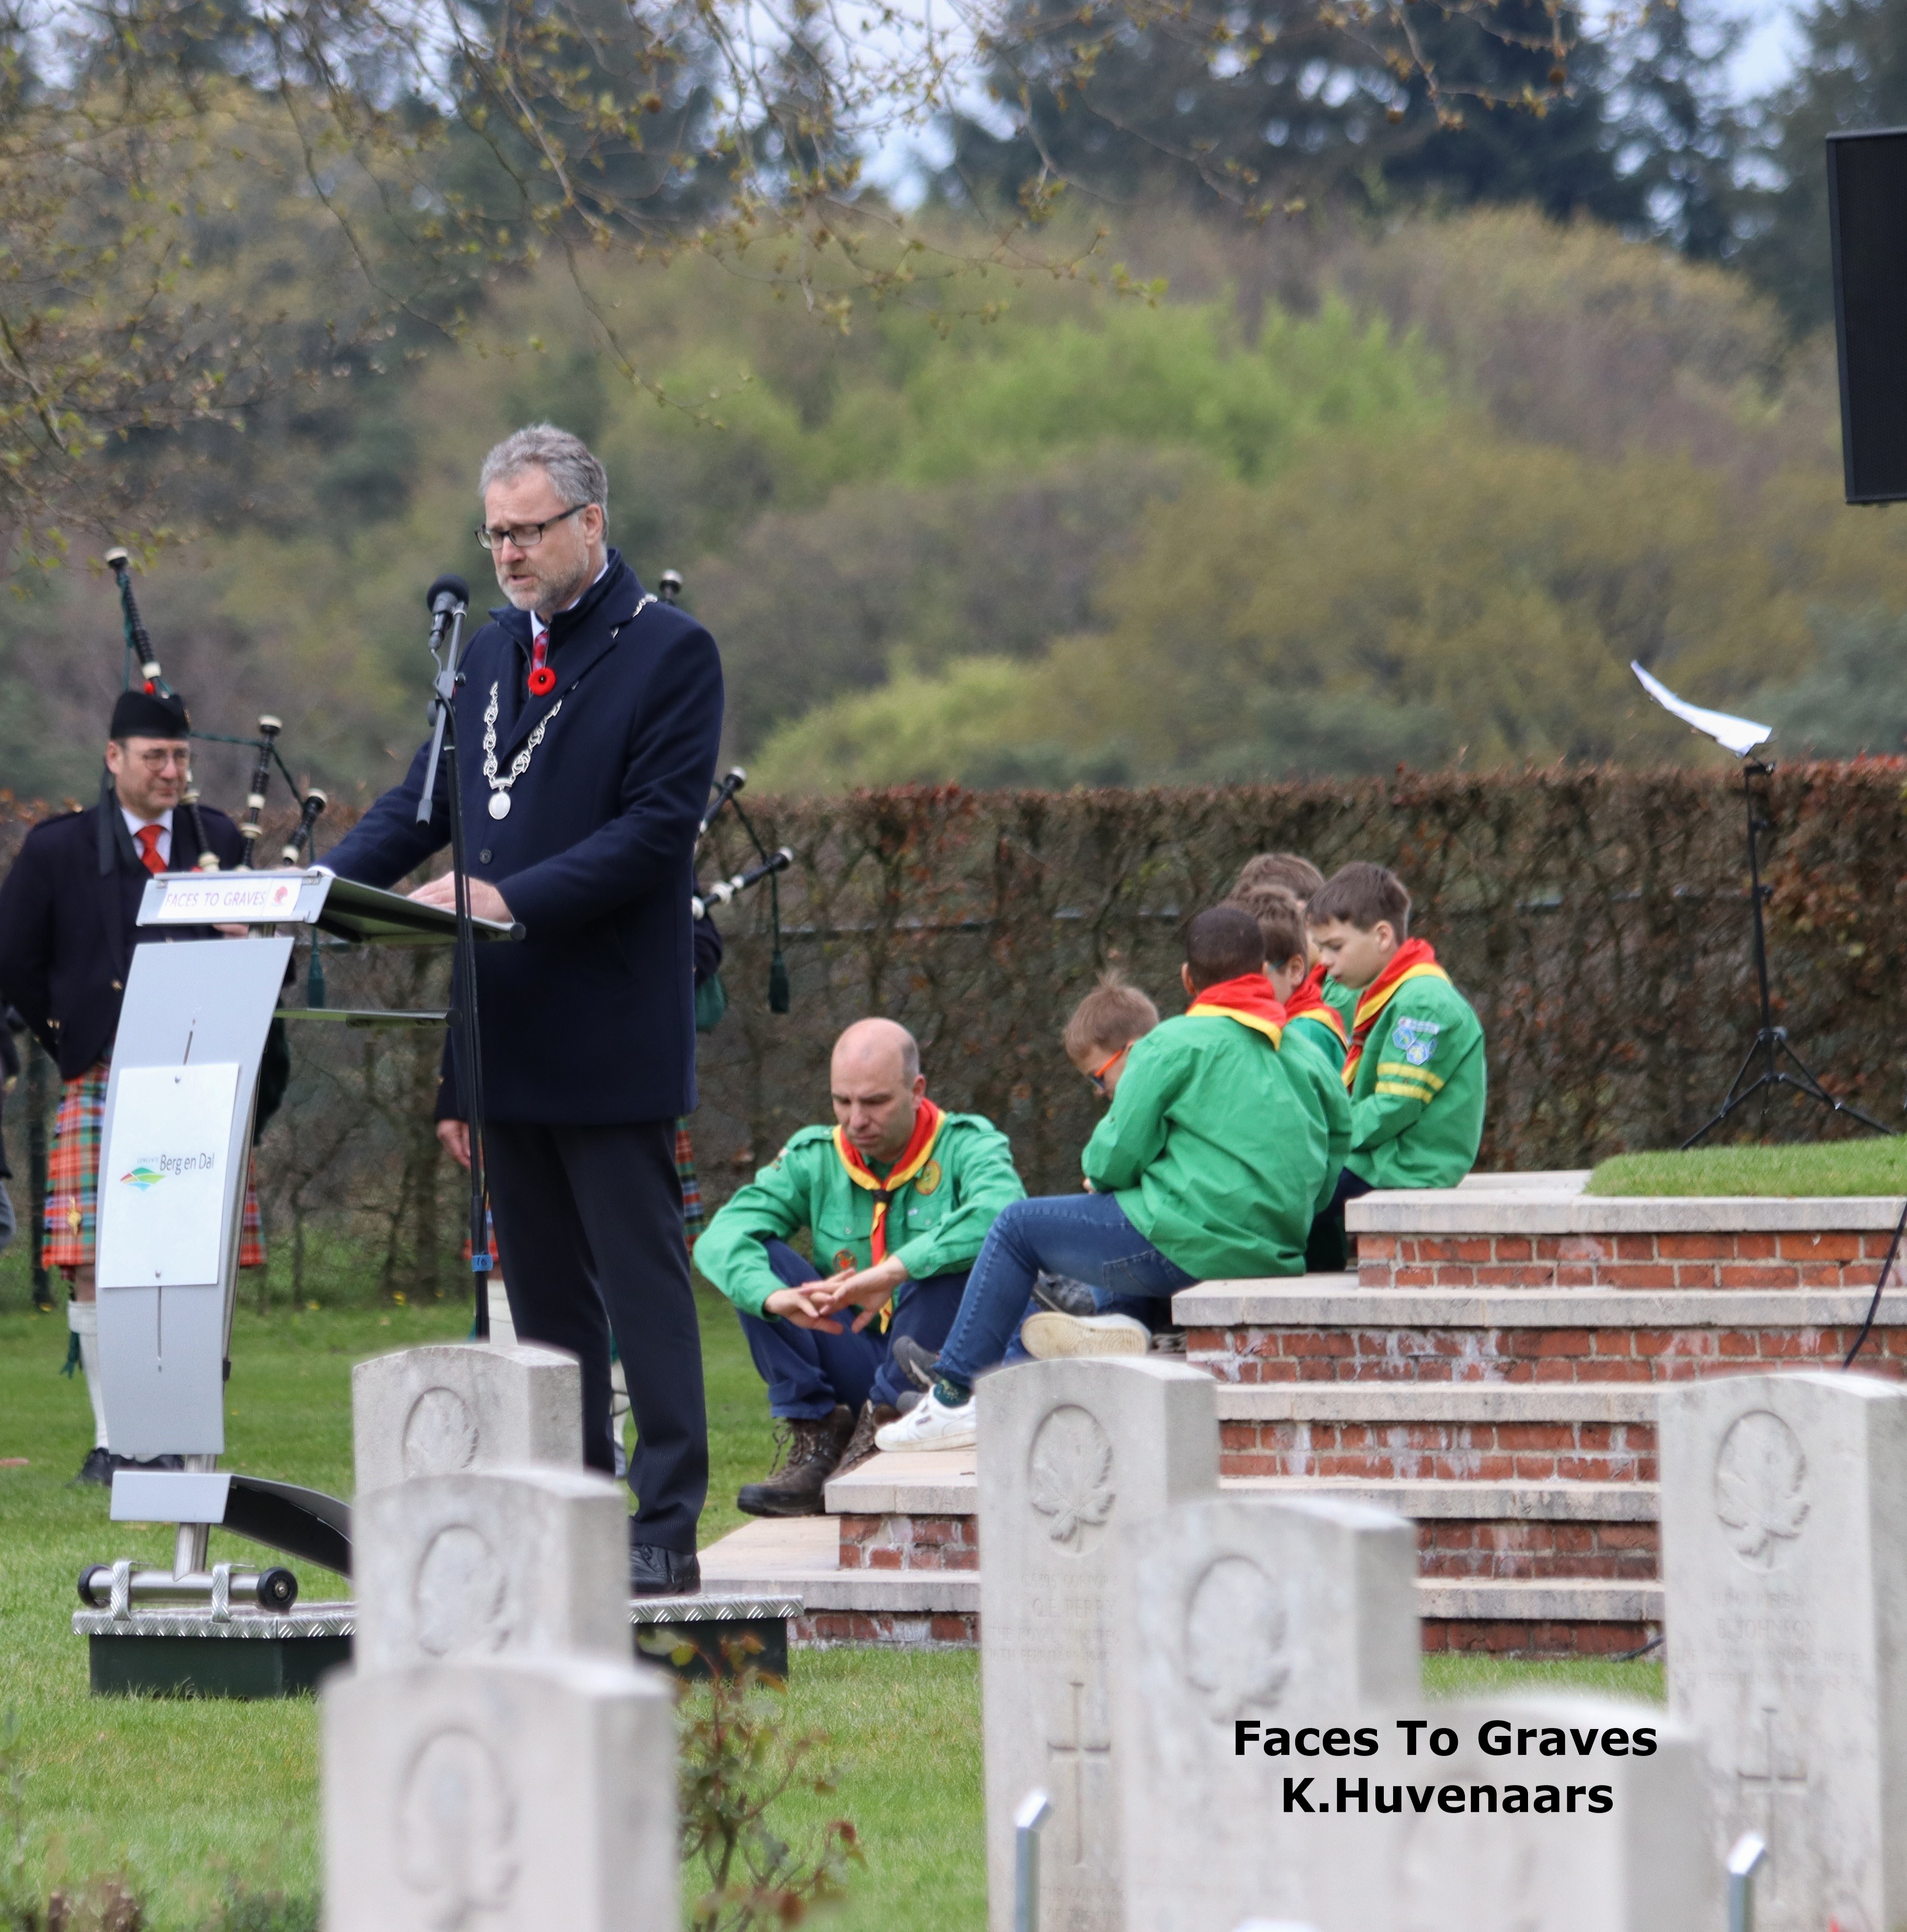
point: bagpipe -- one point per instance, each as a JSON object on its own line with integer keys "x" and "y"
{"x": 768, "y": 865}
{"x": 142, "y": 668}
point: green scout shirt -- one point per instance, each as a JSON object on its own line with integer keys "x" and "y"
{"x": 1416, "y": 1103}
{"x": 935, "y": 1225}
{"x": 1220, "y": 1148}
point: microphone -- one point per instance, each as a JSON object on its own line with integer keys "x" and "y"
{"x": 449, "y": 594}
{"x": 733, "y": 781}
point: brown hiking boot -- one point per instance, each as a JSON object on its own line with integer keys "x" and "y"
{"x": 860, "y": 1444}
{"x": 809, "y": 1451}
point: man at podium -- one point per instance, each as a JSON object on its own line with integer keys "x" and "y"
{"x": 588, "y": 721}
{"x": 68, "y": 924}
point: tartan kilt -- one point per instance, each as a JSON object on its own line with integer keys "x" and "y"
{"x": 691, "y": 1183}
{"x": 69, "y": 1219}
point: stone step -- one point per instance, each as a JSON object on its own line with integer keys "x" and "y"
{"x": 1329, "y": 1329}
{"x": 1440, "y": 1431}
{"x": 928, "y": 1608}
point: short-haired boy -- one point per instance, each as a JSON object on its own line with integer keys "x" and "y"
{"x": 1222, "y": 1140}
{"x": 1415, "y": 1063}
{"x": 1288, "y": 966}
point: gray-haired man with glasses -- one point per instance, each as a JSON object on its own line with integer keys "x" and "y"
{"x": 587, "y": 727}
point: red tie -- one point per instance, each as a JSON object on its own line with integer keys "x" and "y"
{"x": 148, "y": 836}
{"x": 542, "y": 678}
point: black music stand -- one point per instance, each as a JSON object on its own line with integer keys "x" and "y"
{"x": 1771, "y": 1046}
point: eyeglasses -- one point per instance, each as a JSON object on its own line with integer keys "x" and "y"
{"x": 1098, "y": 1075}
{"x": 157, "y": 761}
{"x": 525, "y": 536}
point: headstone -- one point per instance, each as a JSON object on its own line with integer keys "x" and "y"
{"x": 512, "y": 1795}
{"x": 491, "y": 1564}
{"x": 1279, "y": 1762}
{"x": 1784, "y": 1532}
{"x": 1071, "y": 1452}
{"x": 441, "y": 1409}
{"x": 1235, "y": 1609}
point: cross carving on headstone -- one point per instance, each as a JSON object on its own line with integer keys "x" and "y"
{"x": 1074, "y": 1755}
{"x": 1781, "y": 1774}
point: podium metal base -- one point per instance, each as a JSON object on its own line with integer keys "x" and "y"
{"x": 185, "y": 1652}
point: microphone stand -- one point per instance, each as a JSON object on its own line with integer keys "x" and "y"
{"x": 445, "y": 645}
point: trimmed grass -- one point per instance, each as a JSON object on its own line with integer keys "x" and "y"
{"x": 180, "y": 1794}
{"x": 1871, "y": 1166}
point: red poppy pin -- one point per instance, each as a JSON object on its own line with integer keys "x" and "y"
{"x": 542, "y": 681}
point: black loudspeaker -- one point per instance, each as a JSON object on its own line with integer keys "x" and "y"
{"x": 1867, "y": 217}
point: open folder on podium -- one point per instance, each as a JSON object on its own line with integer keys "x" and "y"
{"x": 174, "y": 1146}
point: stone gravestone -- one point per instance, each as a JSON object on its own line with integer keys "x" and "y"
{"x": 1237, "y": 1608}
{"x": 1297, "y": 1620}
{"x": 1784, "y": 1535}
{"x": 494, "y": 1758}
{"x": 516, "y": 1794}
{"x": 1070, "y": 1453}
{"x": 435, "y": 1411}
{"x": 489, "y": 1564}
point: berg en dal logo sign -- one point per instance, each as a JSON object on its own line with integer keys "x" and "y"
{"x": 144, "y": 1175}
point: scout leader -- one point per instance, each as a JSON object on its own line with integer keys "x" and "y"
{"x": 898, "y": 1196}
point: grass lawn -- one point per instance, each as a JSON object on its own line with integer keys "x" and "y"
{"x": 178, "y": 1795}
{"x": 1875, "y": 1165}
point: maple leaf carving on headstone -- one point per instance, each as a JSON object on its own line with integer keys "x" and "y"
{"x": 1760, "y": 1475}
{"x": 1069, "y": 1475}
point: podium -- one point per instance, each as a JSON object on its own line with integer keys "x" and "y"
{"x": 174, "y": 1155}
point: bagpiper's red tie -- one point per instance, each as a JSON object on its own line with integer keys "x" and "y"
{"x": 148, "y": 836}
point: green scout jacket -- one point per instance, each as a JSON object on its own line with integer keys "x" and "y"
{"x": 1416, "y": 1103}
{"x": 1220, "y": 1148}
{"x": 935, "y": 1225}
{"x": 1316, "y": 1033}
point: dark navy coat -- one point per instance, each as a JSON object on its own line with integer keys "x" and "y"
{"x": 589, "y": 1019}
{"x": 67, "y": 927}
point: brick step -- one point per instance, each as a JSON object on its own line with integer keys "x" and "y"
{"x": 1541, "y": 1231}
{"x": 928, "y": 1608}
{"x": 1304, "y": 1330}
{"x": 909, "y": 1513}
{"x": 1440, "y": 1432}
{"x": 1474, "y": 1532}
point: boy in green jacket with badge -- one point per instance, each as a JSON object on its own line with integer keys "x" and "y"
{"x": 1415, "y": 1064}
{"x": 1223, "y": 1139}
{"x": 898, "y": 1195}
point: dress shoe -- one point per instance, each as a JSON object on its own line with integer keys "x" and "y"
{"x": 97, "y": 1467}
{"x": 656, "y": 1572}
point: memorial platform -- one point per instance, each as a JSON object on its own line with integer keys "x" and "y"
{"x": 1490, "y": 1372}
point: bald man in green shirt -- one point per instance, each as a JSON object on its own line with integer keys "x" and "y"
{"x": 898, "y": 1196}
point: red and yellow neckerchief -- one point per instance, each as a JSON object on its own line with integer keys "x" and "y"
{"x": 915, "y": 1156}
{"x": 1248, "y": 1000}
{"x": 1413, "y": 960}
{"x": 1308, "y": 1002}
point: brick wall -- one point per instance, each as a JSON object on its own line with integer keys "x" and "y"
{"x": 1804, "y": 1259}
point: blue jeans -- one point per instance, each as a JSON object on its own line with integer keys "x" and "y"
{"x": 809, "y": 1371}
{"x": 1086, "y": 1236}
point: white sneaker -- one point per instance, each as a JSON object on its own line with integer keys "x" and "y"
{"x": 931, "y": 1424}
{"x": 1048, "y": 1336}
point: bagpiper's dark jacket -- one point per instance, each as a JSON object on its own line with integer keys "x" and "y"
{"x": 67, "y": 914}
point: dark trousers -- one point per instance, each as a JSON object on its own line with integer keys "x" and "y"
{"x": 1328, "y": 1250}
{"x": 809, "y": 1371}
{"x": 589, "y": 1231}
